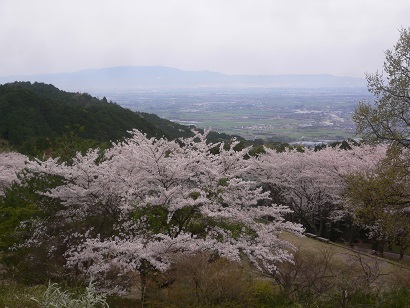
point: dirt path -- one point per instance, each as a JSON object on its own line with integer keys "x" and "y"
{"x": 386, "y": 254}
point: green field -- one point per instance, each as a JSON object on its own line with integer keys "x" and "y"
{"x": 274, "y": 114}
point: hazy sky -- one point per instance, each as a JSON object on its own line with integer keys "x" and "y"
{"x": 340, "y": 37}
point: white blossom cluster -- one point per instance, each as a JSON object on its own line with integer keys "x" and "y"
{"x": 10, "y": 164}
{"x": 313, "y": 181}
{"x": 208, "y": 203}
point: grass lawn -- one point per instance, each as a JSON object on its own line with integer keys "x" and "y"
{"x": 388, "y": 267}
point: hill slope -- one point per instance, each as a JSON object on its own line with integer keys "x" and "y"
{"x": 32, "y": 113}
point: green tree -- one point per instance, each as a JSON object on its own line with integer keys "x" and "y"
{"x": 380, "y": 201}
{"x": 21, "y": 208}
{"x": 389, "y": 117}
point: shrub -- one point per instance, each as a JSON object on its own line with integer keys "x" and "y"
{"x": 263, "y": 293}
{"x": 55, "y": 297}
{"x": 201, "y": 281}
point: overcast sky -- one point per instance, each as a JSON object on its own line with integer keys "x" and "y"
{"x": 340, "y": 37}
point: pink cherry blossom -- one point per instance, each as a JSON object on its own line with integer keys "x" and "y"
{"x": 182, "y": 178}
{"x": 313, "y": 181}
{"x": 10, "y": 164}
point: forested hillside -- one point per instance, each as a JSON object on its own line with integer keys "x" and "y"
{"x": 34, "y": 116}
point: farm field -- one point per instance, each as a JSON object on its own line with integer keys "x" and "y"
{"x": 277, "y": 114}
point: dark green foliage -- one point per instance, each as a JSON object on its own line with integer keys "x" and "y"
{"x": 343, "y": 145}
{"x": 19, "y": 208}
{"x": 21, "y": 116}
{"x": 214, "y": 137}
{"x": 22, "y": 202}
{"x": 14, "y": 209}
{"x": 257, "y": 150}
{"x": 34, "y": 116}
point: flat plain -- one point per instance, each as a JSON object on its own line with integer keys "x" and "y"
{"x": 275, "y": 114}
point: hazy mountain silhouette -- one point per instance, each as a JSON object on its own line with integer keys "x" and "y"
{"x": 136, "y": 77}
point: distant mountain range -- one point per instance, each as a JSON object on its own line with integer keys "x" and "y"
{"x": 126, "y": 78}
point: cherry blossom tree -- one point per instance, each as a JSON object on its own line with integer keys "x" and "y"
{"x": 313, "y": 181}
{"x": 129, "y": 209}
{"x": 10, "y": 164}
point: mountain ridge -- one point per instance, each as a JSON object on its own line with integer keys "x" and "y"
{"x": 125, "y": 78}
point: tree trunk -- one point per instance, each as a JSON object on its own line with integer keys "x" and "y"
{"x": 143, "y": 278}
{"x": 402, "y": 249}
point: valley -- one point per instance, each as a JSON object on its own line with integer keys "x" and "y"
{"x": 275, "y": 114}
